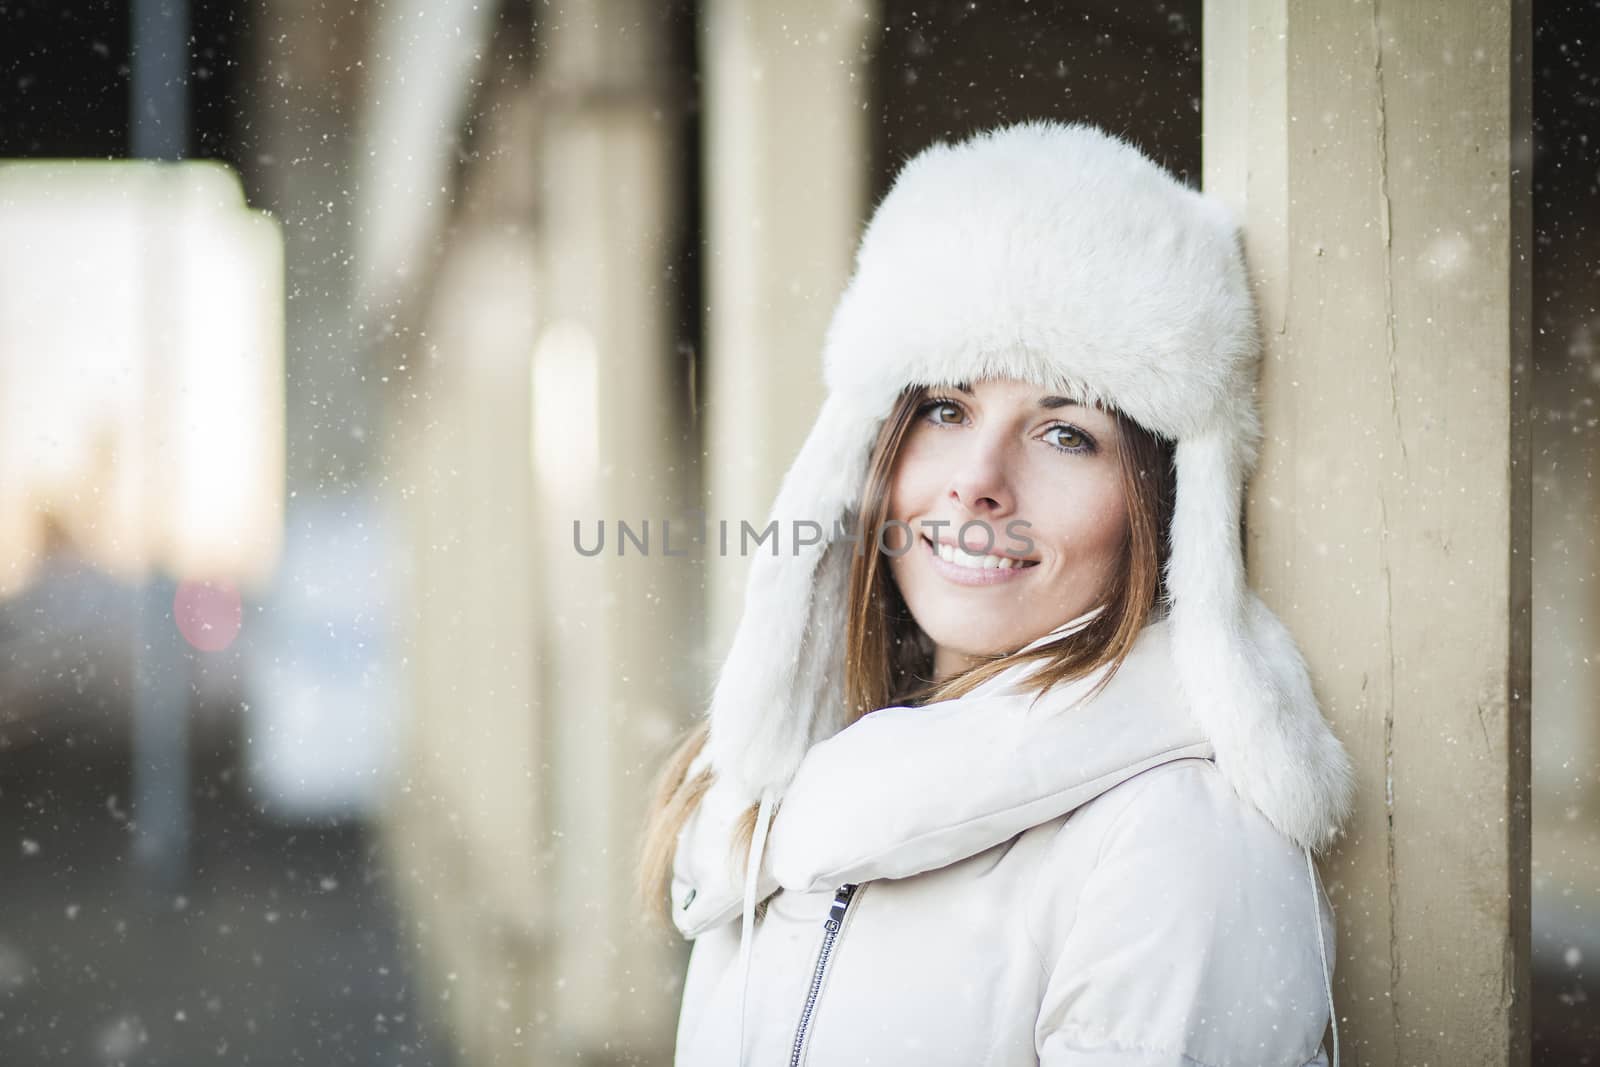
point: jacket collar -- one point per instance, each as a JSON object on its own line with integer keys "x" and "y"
{"x": 910, "y": 789}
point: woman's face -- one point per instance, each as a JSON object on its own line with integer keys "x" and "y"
{"x": 1030, "y": 485}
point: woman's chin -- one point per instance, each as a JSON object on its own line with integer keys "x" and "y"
{"x": 970, "y": 634}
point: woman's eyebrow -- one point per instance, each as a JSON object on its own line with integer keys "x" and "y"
{"x": 1049, "y": 403}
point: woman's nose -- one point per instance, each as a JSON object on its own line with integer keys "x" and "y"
{"x": 980, "y": 484}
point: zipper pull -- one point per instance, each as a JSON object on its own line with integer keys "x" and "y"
{"x": 841, "y": 901}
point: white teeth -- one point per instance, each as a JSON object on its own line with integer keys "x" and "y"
{"x": 952, "y": 554}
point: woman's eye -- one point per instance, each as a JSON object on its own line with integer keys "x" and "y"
{"x": 1069, "y": 439}
{"x": 944, "y": 412}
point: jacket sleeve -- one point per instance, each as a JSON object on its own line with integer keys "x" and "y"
{"x": 1193, "y": 942}
{"x": 707, "y": 887}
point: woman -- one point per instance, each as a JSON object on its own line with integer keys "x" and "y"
{"x": 1013, "y": 768}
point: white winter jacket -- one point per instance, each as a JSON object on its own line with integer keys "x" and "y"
{"x": 978, "y": 882}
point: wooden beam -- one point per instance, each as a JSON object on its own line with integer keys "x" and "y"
{"x": 1378, "y": 156}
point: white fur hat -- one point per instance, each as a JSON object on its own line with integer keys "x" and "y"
{"x": 1060, "y": 255}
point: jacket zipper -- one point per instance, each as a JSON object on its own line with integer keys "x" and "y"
{"x": 830, "y": 933}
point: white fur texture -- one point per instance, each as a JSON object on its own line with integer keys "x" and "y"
{"x": 1060, "y": 255}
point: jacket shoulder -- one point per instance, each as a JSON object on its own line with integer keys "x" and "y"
{"x": 1180, "y": 820}
{"x": 1187, "y": 810}
{"x": 1175, "y": 917}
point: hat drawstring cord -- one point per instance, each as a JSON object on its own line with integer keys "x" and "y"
{"x": 746, "y": 941}
{"x": 1322, "y": 953}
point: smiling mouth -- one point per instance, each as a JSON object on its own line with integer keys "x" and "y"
{"x": 957, "y": 557}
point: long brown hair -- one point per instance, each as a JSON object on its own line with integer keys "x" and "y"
{"x": 889, "y": 660}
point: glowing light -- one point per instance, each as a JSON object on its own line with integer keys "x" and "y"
{"x": 141, "y": 370}
{"x": 566, "y": 394}
{"x": 208, "y": 614}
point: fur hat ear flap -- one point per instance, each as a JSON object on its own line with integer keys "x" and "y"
{"x": 1301, "y": 774}
{"x": 770, "y": 707}
{"x": 1245, "y": 680}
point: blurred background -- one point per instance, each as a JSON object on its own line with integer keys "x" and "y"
{"x": 321, "y": 324}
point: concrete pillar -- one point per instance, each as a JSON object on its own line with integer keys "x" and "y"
{"x": 466, "y": 825}
{"x": 1379, "y": 156}
{"x": 609, "y": 444}
{"x": 310, "y": 55}
{"x": 786, "y": 176}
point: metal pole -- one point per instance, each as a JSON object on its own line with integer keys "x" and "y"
{"x": 160, "y": 109}
{"x": 160, "y": 130}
